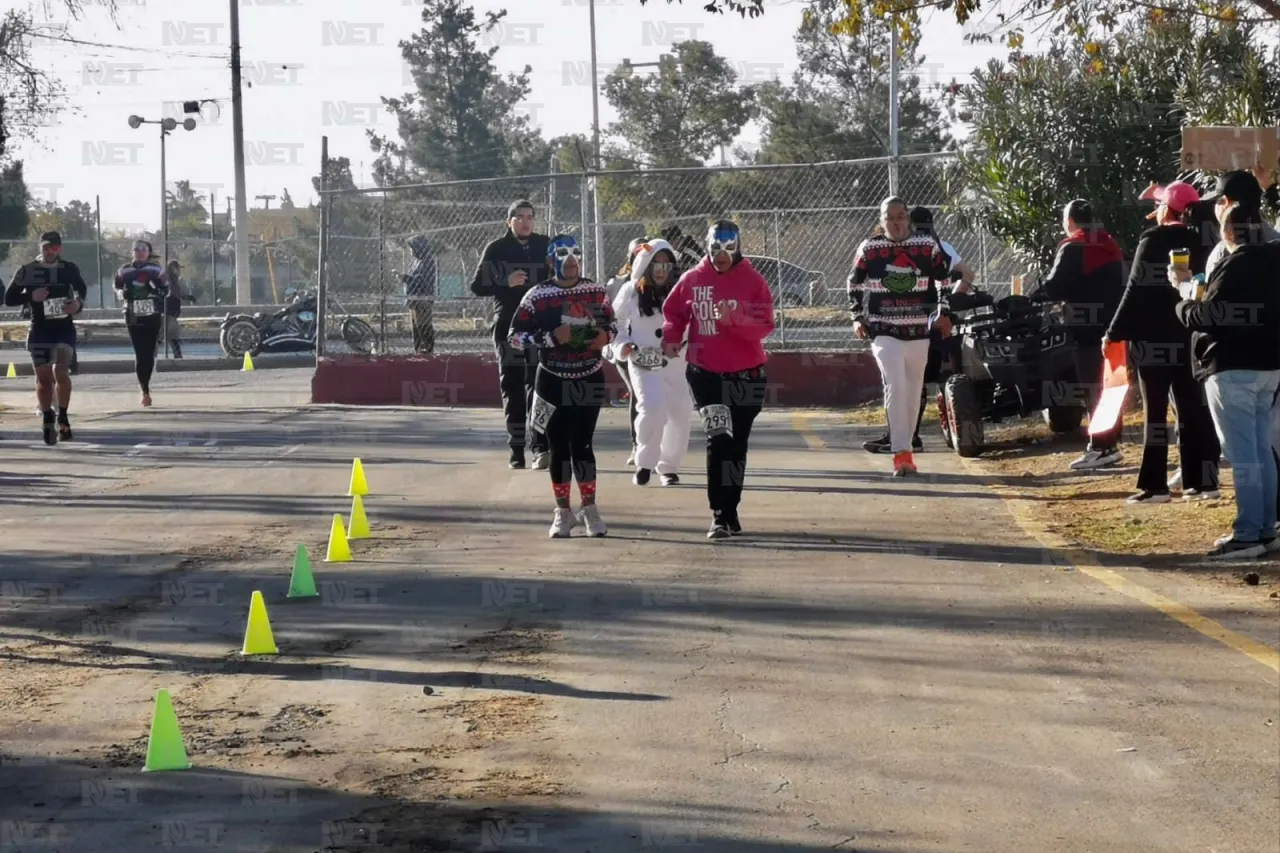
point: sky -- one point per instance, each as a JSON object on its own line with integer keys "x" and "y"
{"x": 319, "y": 67}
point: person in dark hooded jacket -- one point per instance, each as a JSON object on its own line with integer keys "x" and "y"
{"x": 509, "y": 268}
{"x": 420, "y": 294}
{"x": 1088, "y": 275}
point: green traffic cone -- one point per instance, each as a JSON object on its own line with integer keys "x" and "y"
{"x": 301, "y": 583}
{"x": 164, "y": 748}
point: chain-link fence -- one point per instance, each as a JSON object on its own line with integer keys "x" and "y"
{"x": 801, "y": 225}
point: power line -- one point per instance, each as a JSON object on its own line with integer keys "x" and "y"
{"x": 66, "y": 39}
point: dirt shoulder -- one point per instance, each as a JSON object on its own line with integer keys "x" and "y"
{"x": 1088, "y": 509}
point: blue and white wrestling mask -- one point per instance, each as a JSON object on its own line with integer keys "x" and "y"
{"x": 560, "y": 250}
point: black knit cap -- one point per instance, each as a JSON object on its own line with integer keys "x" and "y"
{"x": 517, "y": 206}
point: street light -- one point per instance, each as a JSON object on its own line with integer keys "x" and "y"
{"x": 628, "y": 68}
{"x": 166, "y": 126}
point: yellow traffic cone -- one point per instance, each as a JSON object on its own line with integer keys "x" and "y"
{"x": 13, "y": 373}
{"x": 164, "y": 747}
{"x": 359, "y": 486}
{"x": 258, "y": 639}
{"x": 248, "y": 363}
{"x": 339, "y": 548}
{"x": 358, "y": 527}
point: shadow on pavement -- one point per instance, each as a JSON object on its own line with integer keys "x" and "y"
{"x": 97, "y": 804}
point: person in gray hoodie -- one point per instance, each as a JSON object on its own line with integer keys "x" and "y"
{"x": 420, "y": 294}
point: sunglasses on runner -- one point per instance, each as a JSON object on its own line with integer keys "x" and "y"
{"x": 664, "y": 266}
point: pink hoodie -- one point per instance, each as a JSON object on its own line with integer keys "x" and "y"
{"x": 721, "y": 346}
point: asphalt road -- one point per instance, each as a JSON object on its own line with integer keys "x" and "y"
{"x": 878, "y": 665}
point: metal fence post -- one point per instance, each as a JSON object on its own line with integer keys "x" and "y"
{"x": 582, "y": 230}
{"x": 322, "y": 253}
{"x": 382, "y": 280}
{"x": 782, "y": 296}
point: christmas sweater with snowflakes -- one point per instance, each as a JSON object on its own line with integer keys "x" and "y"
{"x": 893, "y": 288}
{"x": 584, "y": 307}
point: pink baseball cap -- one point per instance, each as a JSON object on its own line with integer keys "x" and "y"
{"x": 1177, "y": 196}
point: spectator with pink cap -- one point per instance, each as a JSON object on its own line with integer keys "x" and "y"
{"x": 1160, "y": 348}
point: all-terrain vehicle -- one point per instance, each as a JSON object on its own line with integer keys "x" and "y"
{"x": 1007, "y": 358}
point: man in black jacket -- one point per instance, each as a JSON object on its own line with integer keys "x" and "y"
{"x": 508, "y": 268}
{"x": 1088, "y": 275}
{"x": 53, "y": 291}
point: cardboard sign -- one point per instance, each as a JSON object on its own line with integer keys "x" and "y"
{"x": 1115, "y": 388}
{"x": 1216, "y": 149}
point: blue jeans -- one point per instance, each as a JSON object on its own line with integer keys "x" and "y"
{"x": 1240, "y": 402}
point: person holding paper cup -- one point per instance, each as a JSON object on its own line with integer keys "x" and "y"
{"x": 1160, "y": 349}
{"x": 1236, "y": 344}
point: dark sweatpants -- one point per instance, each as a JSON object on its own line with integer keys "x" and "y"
{"x": 516, "y": 371}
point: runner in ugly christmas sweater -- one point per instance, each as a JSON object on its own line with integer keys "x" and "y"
{"x": 893, "y": 297}
{"x": 569, "y": 319}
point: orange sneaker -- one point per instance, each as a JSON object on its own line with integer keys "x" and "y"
{"x": 903, "y": 464}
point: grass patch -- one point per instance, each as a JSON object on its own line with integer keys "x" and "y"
{"x": 1089, "y": 509}
{"x": 872, "y": 414}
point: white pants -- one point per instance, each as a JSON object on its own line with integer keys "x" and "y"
{"x": 902, "y": 365}
{"x": 664, "y": 412}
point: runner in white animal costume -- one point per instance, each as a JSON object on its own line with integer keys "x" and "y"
{"x": 664, "y": 406}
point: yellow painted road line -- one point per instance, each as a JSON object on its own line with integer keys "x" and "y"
{"x": 800, "y": 422}
{"x": 1024, "y": 515}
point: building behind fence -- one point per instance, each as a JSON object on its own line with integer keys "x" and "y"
{"x": 801, "y": 225}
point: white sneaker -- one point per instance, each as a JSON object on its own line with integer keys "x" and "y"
{"x": 590, "y": 516}
{"x": 561, "y": 524}
{"x": 1201, "y": 495}
{"x": 1175, "y": 482}
{"x": 1091, "y": 459}
{"x": 542, "y": 461}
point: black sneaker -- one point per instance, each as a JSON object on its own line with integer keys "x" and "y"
{"x": 735, "y": 526}
{"x": 719, "y": 530}
{"x": 641, "y": 477}
{"x": 517, "y": 458}
{"x": 882, "y": 444}
{"x": 1234, "y": 549}
{"x": 50, "y": 430}
{"x": 670, "y": 479}
{"x": 877, "y": 445}
{"x": 1149, "y": 497}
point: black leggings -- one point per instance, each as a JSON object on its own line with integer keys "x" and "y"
{"x": 571, "y": 427}
{"x": 144, "y": 334}
{"x": 743, "y": 394}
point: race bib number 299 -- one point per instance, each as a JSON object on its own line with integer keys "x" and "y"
{"x": 716, "y": 420}
{"x": 143, "y": 307}
{"x": 541, "y": 414}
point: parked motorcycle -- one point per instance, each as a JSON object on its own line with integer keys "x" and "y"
{"x": 291, "y": 329}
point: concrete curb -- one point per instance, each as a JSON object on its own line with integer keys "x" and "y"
{"x": 180, "y": 365}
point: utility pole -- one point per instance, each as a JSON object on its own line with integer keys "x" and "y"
{"x": 266, "y": 199}
{"x": 595, "y": 144}
{"x": 244, "y": 291}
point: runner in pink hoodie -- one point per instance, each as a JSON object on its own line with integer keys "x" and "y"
{"x": 726, "y": 308}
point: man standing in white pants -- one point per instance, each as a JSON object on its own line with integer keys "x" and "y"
{"x": 893, "y": 297}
